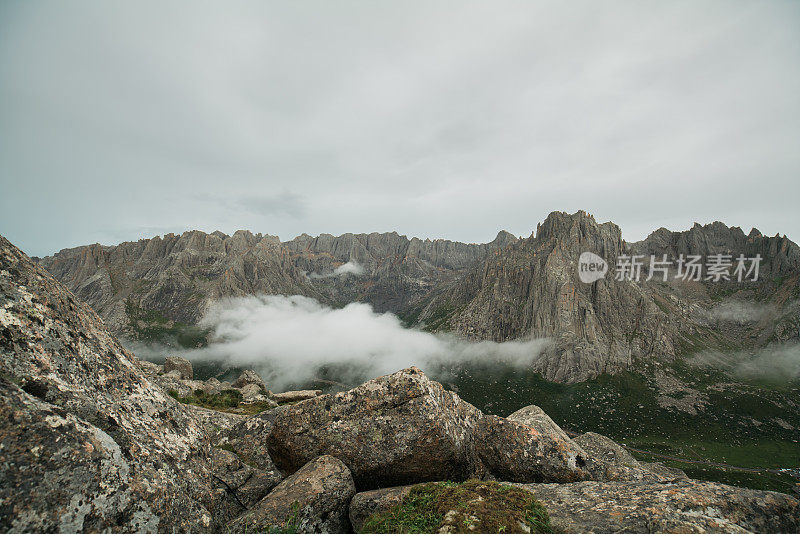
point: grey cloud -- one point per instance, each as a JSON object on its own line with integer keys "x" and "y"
{"x": 394, "y": 117}
{"x": 778, "y": 362}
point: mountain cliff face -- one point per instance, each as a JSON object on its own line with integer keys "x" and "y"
{"x": 162, "y": 286}
{"x": 532, "y": 289}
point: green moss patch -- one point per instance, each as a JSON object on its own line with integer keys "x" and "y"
{"x": 472, "y": 506}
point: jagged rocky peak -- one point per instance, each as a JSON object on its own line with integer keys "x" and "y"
{"x": 779, "y": 254}
{"x": 504, "y": 238}
{"x": 581, "y": 229}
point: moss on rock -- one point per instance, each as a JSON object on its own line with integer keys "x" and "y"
{"x": 472, "y": 506}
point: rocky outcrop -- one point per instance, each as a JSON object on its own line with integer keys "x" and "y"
{"x": 314, "y": 499}
{"x": 249, "y": 439}
{"x": 392, "y": 430}
{"x": 638, "y": 507}
{"x": 238, "y": 487}
{"x": 181, "y": 365}
{"x": 679, "y": 506}
{"x": 515, "y": 452}
{"x": 88, "y": 442}
{"x": 404, "y": 427}
{"x": 534, "y": 417}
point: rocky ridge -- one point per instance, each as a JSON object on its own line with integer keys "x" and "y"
{"x": 531, "y": 289}
{"x": 162, "y": 285}
{"x": 504, "y": 290}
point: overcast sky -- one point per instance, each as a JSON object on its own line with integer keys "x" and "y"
{"x": 434, "y": 119}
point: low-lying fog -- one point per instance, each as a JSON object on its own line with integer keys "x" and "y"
{"x": 287, "y": 340}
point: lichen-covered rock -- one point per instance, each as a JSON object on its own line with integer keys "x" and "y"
{"x": 534, "y": 417}
{"x": 396, "y": 429}
{"x": 182, "y": 365}
{"x": 516, "y": 452}
{"x": 212, "y": 385}
{"x": 315, "y": 500}
{"x": 249, "y": 377}
{"x": 619, "y": 464}
{"x": 90, "y": 444}
{"x": 214, "y": 422}
{"x": 636, "y": 507}
{"x": 296, "y": 396}
{"x": 678, "y": 506}
{"x": 249, "y": 439}
{"x": 237, "y": 486}
{"x": 251, "y": 391}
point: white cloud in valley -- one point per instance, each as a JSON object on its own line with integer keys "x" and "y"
{"x": 352, "y": 268}
{"x": 293, "y": 336}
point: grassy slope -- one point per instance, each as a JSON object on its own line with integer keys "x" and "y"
{"x": 625, "y": 408}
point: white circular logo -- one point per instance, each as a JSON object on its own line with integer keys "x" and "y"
{"x": 591, "y": 267}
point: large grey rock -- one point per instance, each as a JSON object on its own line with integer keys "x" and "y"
{"x": 512, "y": 451}
{"x": 678, "y": 506}
{"x": 636, "y": 507}
{"x": 396, "y": 429}
{"x": 182, "y": 365}
{"x": 534, "y": 417}
{"x": 249, "y": 439}
{"x": 315, "y": 500}
{"x": 405, "y": 428}
{"x": 88, "y": 442}
{"x": 296, "y": 396}
{"x": 249, "y": 377}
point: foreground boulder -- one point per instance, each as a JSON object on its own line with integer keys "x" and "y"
{"x": 314, "y": 499}
{"x": 88, "y": 442}
{"x": 249, "y": 438}
{"x": 396, "y": 429}
{"x": 519, "y": 453}
{"x": 636, "y": 507}
{"x": 296, "y": 396}
{"x": 679, "y": 506}
{"x": 405, "y": 428}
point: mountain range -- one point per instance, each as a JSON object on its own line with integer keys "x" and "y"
{"x": 511, "y": 288}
